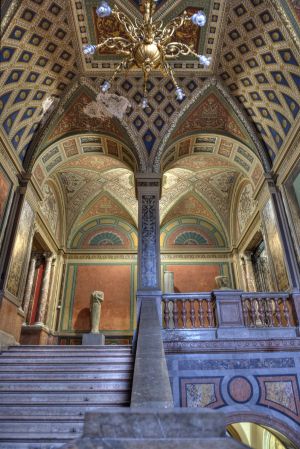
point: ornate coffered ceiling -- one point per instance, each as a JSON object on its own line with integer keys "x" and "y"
{"x": 259, "y": 63}
{"x": 256, "y": 53}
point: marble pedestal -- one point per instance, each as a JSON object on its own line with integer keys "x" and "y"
{"x": 93, "y": 339}
{"x": 173, "y": 428}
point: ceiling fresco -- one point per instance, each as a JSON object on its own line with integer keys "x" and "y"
{"x": 189, "y": 189}
{"x": 255, "y": 50}
{"x": 208, "y": 151}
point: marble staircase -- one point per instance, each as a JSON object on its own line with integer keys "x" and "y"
{"x": 46, "y": 390}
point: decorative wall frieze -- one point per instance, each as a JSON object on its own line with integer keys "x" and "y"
{"x": 199, "y": 346}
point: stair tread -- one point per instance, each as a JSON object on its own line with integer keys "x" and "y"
{"x": 46, "y": 391}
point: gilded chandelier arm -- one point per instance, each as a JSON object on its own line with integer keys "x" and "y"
{"x": 125, "y": 64}
{"x": 149, "y": 9}
{"x": 174, "y": 49}
{"x": 169, "y": 30}
{"x": 123, "y": 46}
{"x": 130, "y": 28}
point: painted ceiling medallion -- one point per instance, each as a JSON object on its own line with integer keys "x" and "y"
{"x": 147, "y": 44}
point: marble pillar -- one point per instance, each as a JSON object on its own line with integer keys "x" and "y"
{"x": 29, "y": 285}
{"x": 45, "y": 290}
{"x": 148, "y": 194}
{"x": 250, "y": 277}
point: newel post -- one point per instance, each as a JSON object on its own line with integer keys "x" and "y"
{"x": 229, "y": 313}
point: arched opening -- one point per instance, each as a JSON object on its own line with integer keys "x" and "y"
{"x": 258, "y": 436}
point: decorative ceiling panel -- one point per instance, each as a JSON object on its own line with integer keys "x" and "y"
{"x": 260, "y": 66}
{"x": 37, "y": 61}
{"x": 208, "y": 151}
{"x": 75, "y": 120}
{"x": 208, "y": 184}
{"x": 88, "y": 151}
{"x": 91, "y": 28}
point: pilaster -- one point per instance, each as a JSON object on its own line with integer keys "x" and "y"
{"x": 284, "y": 231}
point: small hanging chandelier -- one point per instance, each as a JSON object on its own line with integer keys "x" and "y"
{"x": 148, "y": 44}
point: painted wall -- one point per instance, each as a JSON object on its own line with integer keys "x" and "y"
{"x": 116, "y": 280}
{"x": 196, "y": 275}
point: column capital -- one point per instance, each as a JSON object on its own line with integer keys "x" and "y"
{"x": 48, "y": 256}
{"x": 148, "y": 182}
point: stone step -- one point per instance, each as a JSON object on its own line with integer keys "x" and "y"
{"x": 20, "y": 430}
{"x": 78, "y": 367}
{"x": 46, "y": 376}
{"x": 54, "y": 410}
{"x": 53, "y": 353}
{"x": 58, "y": 359}
{"x": 31, "y": 444}
{"x": 149, "y": 443}
{"x": 60, "y": 397}
{"x": 64, "y": 386}
{"x": 65, "y": 348}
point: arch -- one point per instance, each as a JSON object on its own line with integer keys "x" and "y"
{"x": 193, "y": 232}
{"x": 82, "y": 145}
{"x": 215, "y": 86}
{"x": 104, "y": 233}
{"x": 263, "y": 418}
{"x": 209, "y": 144}
{"x": 70, "y": 120}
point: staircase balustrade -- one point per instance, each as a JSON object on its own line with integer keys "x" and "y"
{"x": 188, "y": 311}
{"x": 267, "y": 310}
{"x": 199, "y": 310}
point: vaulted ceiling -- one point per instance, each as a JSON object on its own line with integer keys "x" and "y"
{"x": 255, "y": 48}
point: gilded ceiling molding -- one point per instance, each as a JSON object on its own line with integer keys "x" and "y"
{"x": 5, "y": 20}
{"x": 214, "y": 82}
{"x": 286, "y": 21}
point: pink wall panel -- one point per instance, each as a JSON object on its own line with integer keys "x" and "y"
{"x": 114, "y": 281}
{"x": 194, "y": 278}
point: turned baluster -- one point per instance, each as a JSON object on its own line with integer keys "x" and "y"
{"x": 253, "y": 312}
{"x": 201, "y": 313}
{"x": 270, "y": 312}
{"x": 175, "y": 314}
{"x": 286, "y": 312}
{"x": 192, "y": 313}
{"x": 278, "y": 312}
{"x": 261, "y": 311}
{"x": 183, "y": 314}
{"x": 166, "y": 313}
{"x": 210, "y": 314}
{"x": 245, "y": 312}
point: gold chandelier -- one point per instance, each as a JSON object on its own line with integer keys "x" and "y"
{"x": 148, "y": 44}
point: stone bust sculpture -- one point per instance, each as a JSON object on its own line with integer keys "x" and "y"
{"x": 222, "y": 282}
{"x": 97, "y": 299}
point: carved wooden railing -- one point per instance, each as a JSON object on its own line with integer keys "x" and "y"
{"x": 188, "y": 311}
{"x": 267, "y": 310}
